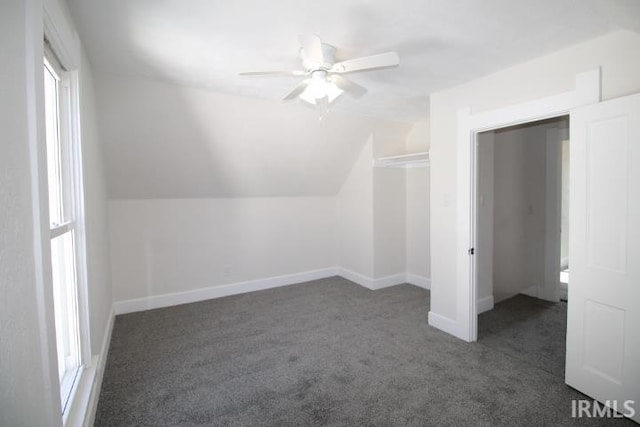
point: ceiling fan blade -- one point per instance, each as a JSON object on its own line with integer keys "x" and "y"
{"x": 348, "y": 86}
{"x": 383, "y": 60}
{"x": 312, "y": 46}
{"x": 274, "y": 73}
{"x": 298, "y": 89}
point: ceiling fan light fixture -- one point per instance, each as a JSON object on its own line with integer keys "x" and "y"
{"x": 329, "y": 90}
{"x": 319, "y": 87}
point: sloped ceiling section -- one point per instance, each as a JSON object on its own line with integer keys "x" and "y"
{"x": 178, "y": 122}
{"x": 168, "y": 141}
{"x": 441, "y": 43}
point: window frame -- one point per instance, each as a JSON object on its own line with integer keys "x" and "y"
{"x": 69, "y": 118}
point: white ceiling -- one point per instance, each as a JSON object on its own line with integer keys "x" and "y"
{"x": 441, "y": 43}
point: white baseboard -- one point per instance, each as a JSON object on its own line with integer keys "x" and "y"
{"x": 358, "y": 278}
{"x": 484, "y": 304}
{"x": 166, "y": 300}
{"x": 383, "y": 282}
{"x": 100, "y": 361}
{"x": 387, "y": 281}
{"x": 542, "y": 292}
{"x": 531, "y": 291}
{"x": 445, "y": 324}
{"x": 420, "y": 281}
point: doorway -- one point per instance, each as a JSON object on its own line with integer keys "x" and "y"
{"x": 602, "y": 342}
{"x": 519, "y": 241}
{"x": 521, "y": 194}
{"x": 585, "y": 92}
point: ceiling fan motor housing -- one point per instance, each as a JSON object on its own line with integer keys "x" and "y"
{"x": 328, "y": 55}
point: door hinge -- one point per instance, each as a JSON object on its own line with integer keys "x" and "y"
{"x": 472, "y": 251}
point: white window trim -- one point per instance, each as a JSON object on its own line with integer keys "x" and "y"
{"x": 70, "y": 132}
{"x": 66, "y": 46}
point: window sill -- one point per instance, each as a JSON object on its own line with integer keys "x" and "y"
{"x": 80, "y": 398}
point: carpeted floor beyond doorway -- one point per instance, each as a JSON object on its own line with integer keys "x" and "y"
{"x": 327, "y": 352}
{"x": 529, "y": 329}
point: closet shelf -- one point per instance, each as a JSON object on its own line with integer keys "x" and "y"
{"x": 413, "y": 160}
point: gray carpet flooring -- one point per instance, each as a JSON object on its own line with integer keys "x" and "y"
{"x": 327, "y": 352}
{"x": 529, "y": 329}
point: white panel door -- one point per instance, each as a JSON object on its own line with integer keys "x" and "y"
{"x": 603, "y": 325}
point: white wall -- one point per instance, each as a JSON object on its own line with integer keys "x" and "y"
{"x": 519, "y": 210}
{"x": 514, "y": 221}
{"x": 167, "y": 141}
{"x": 29, "y": 394}
{"x": 355, "y": 216}
{"x": 417, "y": 206}
{"x": 383, "y": 214}
{"x": 418, "y": 137}
{"x": 485, "y": 226}
{"x": 510, "y": 212}
{"x": 389, "y": 205}
{"x": 389, "y": 221}
{"x": 417, "y": 222}
{"x": 535, "y": 175}
{"x": 174, "y": 245}
{"x": 96, "y": 221}
{"x": 164, "y": 246}
{"x": 196, "y": 157}
{"x": 541, "y": 77}
{"x": 26, "y": 397}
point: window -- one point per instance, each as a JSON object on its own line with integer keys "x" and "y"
{"x": 65, "y": 210}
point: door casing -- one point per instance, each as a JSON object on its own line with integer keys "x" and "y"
{"x": 586, "y": 92}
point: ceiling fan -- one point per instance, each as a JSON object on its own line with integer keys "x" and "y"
{"x": 324, "y": 81}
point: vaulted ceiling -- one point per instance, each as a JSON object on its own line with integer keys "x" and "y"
{"x": 441, "y": 43}
{"x": 165, "y": 141}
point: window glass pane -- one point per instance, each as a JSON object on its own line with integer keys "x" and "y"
{"x": 59, "y": 155}
{"x": 53, "y": 146}
{"x": 63, "y": 271}
{"x": 66, "y": 166}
